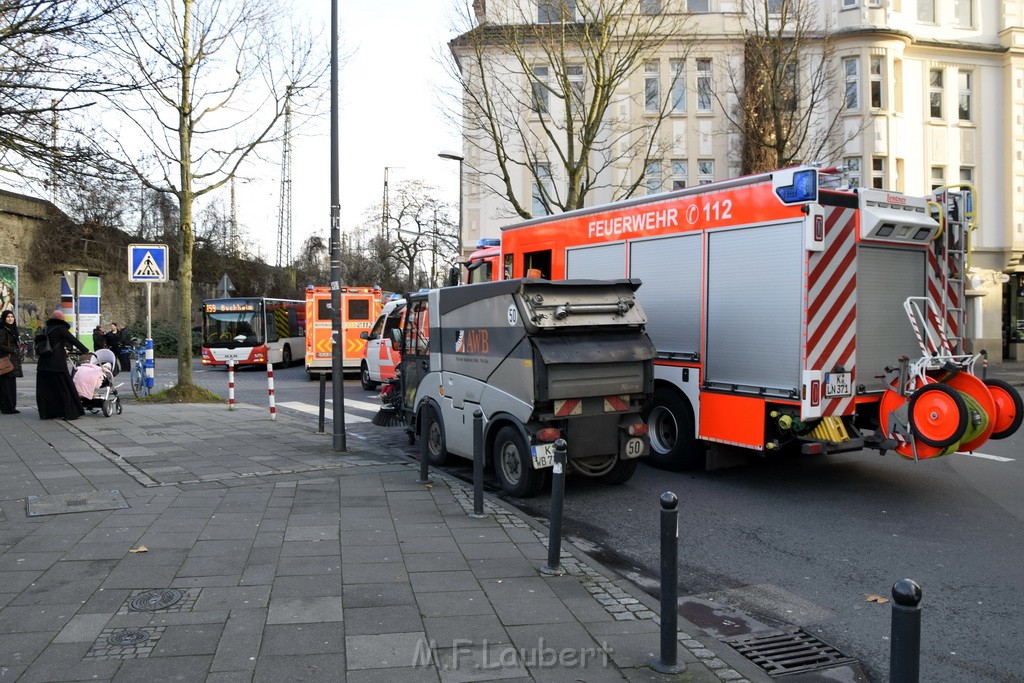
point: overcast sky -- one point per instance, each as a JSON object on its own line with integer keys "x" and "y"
{"x": 390, "y": 117}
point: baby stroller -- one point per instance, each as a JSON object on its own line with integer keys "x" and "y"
{"x": 94, "y": 382}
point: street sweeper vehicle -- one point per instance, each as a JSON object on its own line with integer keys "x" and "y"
{"x": 541, "y": 360}
{"x": 791, "y": 313}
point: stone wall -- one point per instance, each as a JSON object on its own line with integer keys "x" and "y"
{"x": 24, "y": 221}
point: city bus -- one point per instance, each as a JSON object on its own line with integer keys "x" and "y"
{"x": 253, "y": 331}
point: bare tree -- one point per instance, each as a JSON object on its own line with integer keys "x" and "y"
{"x": 421, "y": 233}
{"x": 207, "y": 83}
{"x": 785, "y": 102}
{"x": 551, "y": 96}
{"x": 42, "y": 80}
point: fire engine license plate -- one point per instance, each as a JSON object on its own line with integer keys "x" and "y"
{"x": 543, "y": 456}
{"x": 837, "y": 384}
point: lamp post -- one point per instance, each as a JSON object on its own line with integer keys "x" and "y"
{"x": 337, "y": 347}
{"x": 455, "y": 156}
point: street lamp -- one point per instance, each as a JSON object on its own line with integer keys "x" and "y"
{"x": 455, "y": 156}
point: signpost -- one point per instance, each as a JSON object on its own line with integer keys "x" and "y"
{"x": 148, "y": 263}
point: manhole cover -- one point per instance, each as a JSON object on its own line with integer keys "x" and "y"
{"x": 151, "y": 601}
{"x": 36, "y": 506}
{"x": 127, "y": 637}
{"x": 791, "y": 651}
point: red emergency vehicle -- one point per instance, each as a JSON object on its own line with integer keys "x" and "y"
{"x": 360, "y": 307}
{"x": 781, "y": 306}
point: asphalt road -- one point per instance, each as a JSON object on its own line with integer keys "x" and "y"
{"x": 802, "y": 541}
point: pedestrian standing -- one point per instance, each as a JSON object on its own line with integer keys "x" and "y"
{"x": 124, "y": 338}
{"x": 56, "y": 396}
{"x": 113, "y": 339}
{"x": 9, "y": 350}
{"x": 99, "y": 340}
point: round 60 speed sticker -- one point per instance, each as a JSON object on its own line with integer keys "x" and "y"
{"x": 513, "y": 315}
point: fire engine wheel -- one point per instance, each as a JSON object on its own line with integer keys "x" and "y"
{"x": 1009, "y": 408}
{"x": 513, "y": 465}
{"x": 432, "y": 438}
{"x": 938, "y": 415}
{"x": 364, "y": 378}
{"x": 674, "y": 444}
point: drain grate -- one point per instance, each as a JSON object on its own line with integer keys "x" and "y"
{"x": 790, "y": 651}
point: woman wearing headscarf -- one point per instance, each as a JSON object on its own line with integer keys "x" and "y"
{"x": 56, "y": 396}
{"x": 9, "y": 349}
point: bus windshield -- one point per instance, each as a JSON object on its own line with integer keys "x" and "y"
{"x": 237, "y": 320}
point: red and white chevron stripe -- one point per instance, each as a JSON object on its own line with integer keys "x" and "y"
{"x": 830, "y": 333}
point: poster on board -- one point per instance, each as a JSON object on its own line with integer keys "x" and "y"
{"x": 9, "y": 288}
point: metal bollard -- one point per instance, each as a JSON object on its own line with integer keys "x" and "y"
{"x": 478, "y": 464}
{"x": 424, "y": 464}
{"x": 554, "y": 565}
{"x": 270, "y": 391}
{"x": 668, "y": 662}
{"x": 231, "y": 385}
{"x": 984, "y": 364}
{"x": 905, "y": 634}
{"x": 323, "y": 402}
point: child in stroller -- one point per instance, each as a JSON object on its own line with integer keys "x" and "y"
{"x": 94, "y": 382}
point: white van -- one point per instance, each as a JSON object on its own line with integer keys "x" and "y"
{"x": 383, "y": 346}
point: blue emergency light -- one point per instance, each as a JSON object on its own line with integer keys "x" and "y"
{"x": 803, "y": 189}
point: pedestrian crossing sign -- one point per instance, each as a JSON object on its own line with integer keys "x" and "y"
{"x": 147, "y": 263}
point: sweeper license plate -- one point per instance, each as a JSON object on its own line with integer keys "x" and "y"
{"x": 543, "y": 456}
{"x": 837, "y": 384}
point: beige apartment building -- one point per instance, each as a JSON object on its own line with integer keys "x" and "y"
{"x": 928, "y": 93}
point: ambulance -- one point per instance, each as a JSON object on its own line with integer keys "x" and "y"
{"x": 360, "y": 306}
{"x": 382, "y": 345}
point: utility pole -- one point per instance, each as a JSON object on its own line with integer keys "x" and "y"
{"x": 337, "y": 348}
{"x": 284, "y": 208}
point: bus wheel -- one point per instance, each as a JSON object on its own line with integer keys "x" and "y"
{"x": 286, "y": 357}
{"x": 674, "y": 444}
{"x": 364, "y": 378}
{"x": 513, "y": 465}
{"x": 432, "y": 438}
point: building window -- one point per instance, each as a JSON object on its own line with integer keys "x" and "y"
{"x": 851, "y": 67}
{"x": 775, "y": 7}
{"x": 926, "y": 11}
{"x": 935, "y": 93}
{"x": 555, "y": 11}
{"x": 704, "y": 87}
{"x": 652, "y": 87}
{"x": 965, "y": 96}
{"x": 848, "y": 4}
{"x": 650, "y": 6}
{"x": 705, "y": 171}
{"x": 678, "y": 89}
{"x": 963, "y": 13}
{"x": 577, "y": 87}
{"x": 878, "y": 173}
{"x": 789, "y": 89}
{"x": 938, "y": 177}
{"x": 698, "y": 6}
{"x": 678, "y": 174}
{"x": 539, "y": 100}
{"x": 876, "y": 82}
{"x": 852, "y": 165}
{"x": 541, "y": 175}
{"x": 967, "y": 174}
{"x": 652, "y": 177}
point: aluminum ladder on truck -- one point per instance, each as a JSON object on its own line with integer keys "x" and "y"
{"x": 956, "y": 217}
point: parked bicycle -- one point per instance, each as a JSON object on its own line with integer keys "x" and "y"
{"x": 138, "y": 371}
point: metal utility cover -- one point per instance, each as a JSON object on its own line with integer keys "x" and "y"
{"x": 37, "y": 506}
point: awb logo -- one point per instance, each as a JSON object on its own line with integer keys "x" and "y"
{"x": 472, "y": 341}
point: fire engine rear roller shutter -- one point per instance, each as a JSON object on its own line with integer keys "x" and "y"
{"x": 670, "y": 269}
{"x": 754, "y": 306}
{"x": 885, "y": 278}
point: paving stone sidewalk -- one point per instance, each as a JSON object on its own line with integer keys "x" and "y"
{"x": 184, "y": 542}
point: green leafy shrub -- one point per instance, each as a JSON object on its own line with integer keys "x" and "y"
{"x": 165, "y": 337}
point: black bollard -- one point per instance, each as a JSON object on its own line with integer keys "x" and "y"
{"x": 905, "y": 636}
{"x": 668, "y": 662}
{"x": 478, "y": 464}
{"x": 554, "y": 565}
{"x": 424, "y": 463}
{"x": 323, "y": 401}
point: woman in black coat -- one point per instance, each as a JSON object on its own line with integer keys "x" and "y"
{"x": 9, "y": 349}
{"x": 55, "y": 391}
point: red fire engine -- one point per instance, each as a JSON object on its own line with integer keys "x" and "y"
{"x": 786, "y": 313}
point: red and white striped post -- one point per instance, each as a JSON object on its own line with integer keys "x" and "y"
{"x": 270, "y": 390}
{"x": 231, "y": 385}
